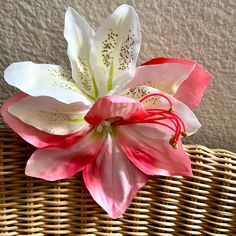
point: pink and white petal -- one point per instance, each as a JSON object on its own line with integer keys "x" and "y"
{"x": 79, "y": 34}
{"x": 44, "y": 80}
{"x": 112, "y": 179}
{"x": 187, "y": 116}
{"x": 114, "y": 108}
{"x": 190, "y": 92}
{"x": 165, "y": 77}
{"x": 54, "y": 163}
{"x": 30, "y": 134}
{"x": 151, "y": 154}
{"x": 49, "y": 115}
{"x": 116, "y": 46}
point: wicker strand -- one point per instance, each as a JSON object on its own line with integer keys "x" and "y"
{"x": 204, "y": 204}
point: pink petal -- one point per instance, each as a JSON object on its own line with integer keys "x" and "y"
{"x": 191, "y": 90}
{"x": 28, "y": 133}
{"x": 112, "y": 179}
{"x": 151, "y": 154}
{"x": 53, "y": 163}
{"x": 114, "y": 107}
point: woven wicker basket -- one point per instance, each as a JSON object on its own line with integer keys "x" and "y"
{"x": 204, "y": 204}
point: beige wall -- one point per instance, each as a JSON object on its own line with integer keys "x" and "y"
{"x": 201, "y": 30}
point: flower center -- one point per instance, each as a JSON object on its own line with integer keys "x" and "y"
{"x": 104, "y": 126}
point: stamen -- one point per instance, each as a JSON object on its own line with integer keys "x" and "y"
{"x": 160, "y": 116}
{"x": 171, "y": 117}
{"x": 162, "y": 113}
{"x": 171, "y": 108}
{"x": 184, "y": 134}
{"x": 173, "y": 143}
{"x": 157, "y": 122}
{"x": 182, "y": 123}
{"x": 170, "y": 113}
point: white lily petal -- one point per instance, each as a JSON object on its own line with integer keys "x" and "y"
{"x": 44, "y": 80}
{"x": 187, "y": 116}
{"x": 165, "y": 77}
{"x": 49, "y": 115}
{"x": 78, "y": 35}
{"x": 116, "y": 45}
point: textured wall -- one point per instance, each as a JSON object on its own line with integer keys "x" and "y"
{"x": 202, "y": 30}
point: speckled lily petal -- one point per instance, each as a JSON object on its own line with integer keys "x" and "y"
{"x": 165, "y": 77}
{"x": 44, "y": 80}
{"x": 116, "y": 47}
{"x": 49, "y": 115}
{"x": 79, "y": 38}
{"x": 30, "y": 134}
{"x": 192, "y": 89}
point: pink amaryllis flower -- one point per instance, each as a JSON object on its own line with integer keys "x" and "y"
{"x": 115, "y": 122}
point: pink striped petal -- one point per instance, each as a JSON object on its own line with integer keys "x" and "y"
{"x": 151, "y": 154}
{"x": 119, "y": 107}
{"x": 192, "y": 89}
{"x": 54, "y": 163}
{"x": 30, "y": 134}
{"x": 112, "y": 179}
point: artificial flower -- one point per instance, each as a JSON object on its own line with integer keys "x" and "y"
{"x": 115, "y": 122}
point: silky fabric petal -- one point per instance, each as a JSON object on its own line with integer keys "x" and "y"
{"x": 49, "y": 115}
{"x": 54, "y": 163}
{"x": 30, "y": 134}
{"x": 115, "y": 107}
{"x": 115, "y": 48}
{"x": 165, "y": 77}
{"x": 112, "y": 179}
{"x": 79, "y": 36}
{"x": 190, "y": 92}
{"x": 44, "y": 80}
{"x": 152, "y": 155}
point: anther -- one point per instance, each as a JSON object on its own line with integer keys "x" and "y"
{"x": 173, "y": 143}
{"x": 171, "y": 109}
{"x": 184, "y": 134}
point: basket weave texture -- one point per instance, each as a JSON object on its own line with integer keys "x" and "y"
{"x": 204, "y": 204}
